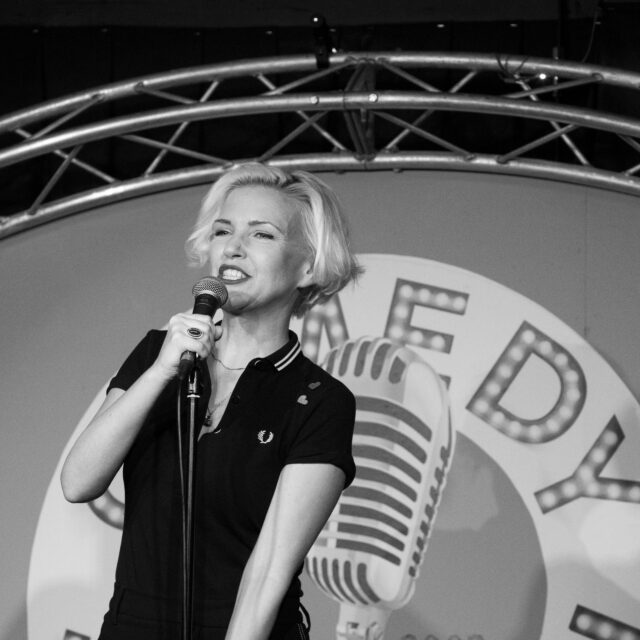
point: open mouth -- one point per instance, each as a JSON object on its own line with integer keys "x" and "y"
{"x": 231, "y": 274}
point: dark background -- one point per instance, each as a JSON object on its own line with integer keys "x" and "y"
{"x": 50, "y": 48}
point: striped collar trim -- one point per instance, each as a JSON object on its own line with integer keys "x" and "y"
{"x": 285, "y": 356}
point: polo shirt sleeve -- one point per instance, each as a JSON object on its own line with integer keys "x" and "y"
{"x": 138, "y": 361}
{"x": 326, "y": 430}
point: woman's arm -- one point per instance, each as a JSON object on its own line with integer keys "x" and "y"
{"x": 302, "y": 502}
{"x": 101, "y": 448}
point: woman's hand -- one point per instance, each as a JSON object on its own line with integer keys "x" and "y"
{"x": 182, "y": 335}
{"x": 100, "y": 449}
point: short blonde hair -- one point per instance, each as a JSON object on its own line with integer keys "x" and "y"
{"x": 324, "y": 227}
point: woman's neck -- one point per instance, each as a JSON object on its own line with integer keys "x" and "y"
{"x": 242, "y": 340}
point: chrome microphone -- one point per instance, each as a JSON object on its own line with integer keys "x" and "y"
{"x": 367, "y": 557}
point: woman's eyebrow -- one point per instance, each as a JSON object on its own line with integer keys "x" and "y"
{"x": 252, "y": 223}
{"x": 255, "y": 223}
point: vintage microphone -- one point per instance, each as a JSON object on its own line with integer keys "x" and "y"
{"x": 210, "y": 294}
{"x": 368, "y": 555}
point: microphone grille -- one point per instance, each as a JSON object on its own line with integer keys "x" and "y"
{"x": 213, "y": 287}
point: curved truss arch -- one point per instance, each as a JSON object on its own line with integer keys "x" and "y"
{"x": 365, "y": 111}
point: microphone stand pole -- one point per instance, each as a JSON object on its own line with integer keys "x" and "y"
{"x": 193, "y": 394}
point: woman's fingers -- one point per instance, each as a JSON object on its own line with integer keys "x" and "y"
{"x": 186, "y": 332}
{"x": 194, "y": 332}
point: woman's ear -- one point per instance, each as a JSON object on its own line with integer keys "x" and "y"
{"x": 307, "y": 278}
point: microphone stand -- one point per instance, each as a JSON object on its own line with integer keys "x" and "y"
{"x": 193, "y": 395}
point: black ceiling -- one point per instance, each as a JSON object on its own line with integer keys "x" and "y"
{"x": 51, "y": 48}
{"x": 280, "y": 13}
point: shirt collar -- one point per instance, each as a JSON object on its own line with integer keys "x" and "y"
{"x": 284, "y": 356}
{"x": 279, "y": 360}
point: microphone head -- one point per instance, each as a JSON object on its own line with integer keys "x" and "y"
{"x": 213, "y": 287}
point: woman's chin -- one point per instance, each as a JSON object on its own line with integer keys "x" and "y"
{"x": 239, "y": 303}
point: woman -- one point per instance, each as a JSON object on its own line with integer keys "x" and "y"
{"x": 274, "y": 441}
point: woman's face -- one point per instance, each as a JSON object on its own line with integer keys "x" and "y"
{"x": 257, "y": 249}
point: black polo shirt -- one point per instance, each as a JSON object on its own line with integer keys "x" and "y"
{"x": 284, "y": 409}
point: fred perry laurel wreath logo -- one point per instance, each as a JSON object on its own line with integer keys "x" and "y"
{"x": 265, "y": 437}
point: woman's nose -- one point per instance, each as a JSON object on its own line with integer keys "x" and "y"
{"x": 234, "y": 246}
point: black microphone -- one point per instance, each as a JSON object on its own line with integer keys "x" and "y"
{"x": 210, "y": 294}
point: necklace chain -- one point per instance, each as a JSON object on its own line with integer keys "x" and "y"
{"x": 211, "y": 409}
{"x": 208, "y": 420}
{"x": 213, "y": 355}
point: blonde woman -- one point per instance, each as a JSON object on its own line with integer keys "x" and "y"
{"x": 274, "y": 445}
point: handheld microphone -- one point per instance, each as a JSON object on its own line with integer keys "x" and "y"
{"x": 210, "y": 294}
{"x": 367, "y": 557}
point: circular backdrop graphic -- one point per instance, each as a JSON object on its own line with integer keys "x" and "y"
{"x": 536, "y": 532}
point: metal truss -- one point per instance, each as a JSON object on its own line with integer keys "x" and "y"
{"x": 364, "y": 111}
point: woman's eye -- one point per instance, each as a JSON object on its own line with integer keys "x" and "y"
{"x": 264, "y": 235}
{"x": 219, "y": 232}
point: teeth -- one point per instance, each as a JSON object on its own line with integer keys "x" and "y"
{"x": 231, "y": 274}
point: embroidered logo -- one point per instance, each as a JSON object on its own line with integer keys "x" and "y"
{"x": 265, "y": 437}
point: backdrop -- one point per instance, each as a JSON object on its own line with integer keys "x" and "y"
{"x": 523, "y": 296}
